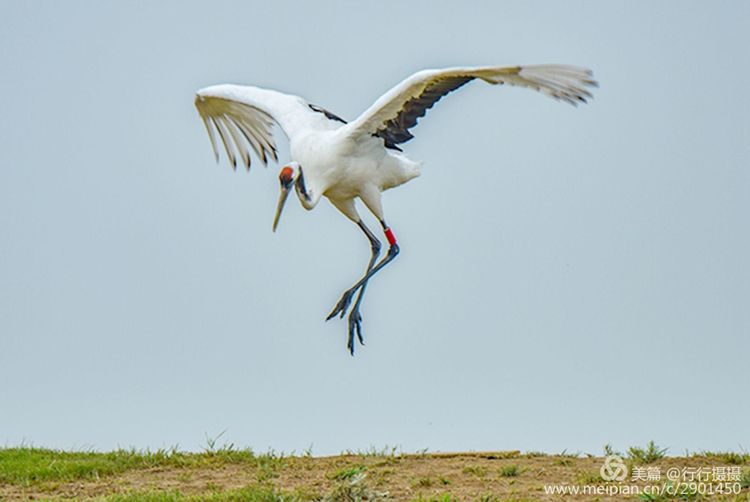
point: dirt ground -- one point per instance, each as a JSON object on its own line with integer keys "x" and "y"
{"x": 464, "y": 476}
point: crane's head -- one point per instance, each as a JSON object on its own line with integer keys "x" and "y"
{"x": 290, "y": 175}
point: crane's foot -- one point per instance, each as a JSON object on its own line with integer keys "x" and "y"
{"x": 342, "y": 305}
{"x": 355, "y": 325}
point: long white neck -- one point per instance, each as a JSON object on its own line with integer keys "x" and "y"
{"x": 308, "y": 189}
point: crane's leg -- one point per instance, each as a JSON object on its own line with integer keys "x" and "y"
{"x": 346, "y": 298}
{"x": 355, "y": 319}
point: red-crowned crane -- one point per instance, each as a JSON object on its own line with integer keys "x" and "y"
{"x": 360, "y": 159}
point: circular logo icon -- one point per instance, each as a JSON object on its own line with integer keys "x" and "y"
{"x": 613, "y": 469}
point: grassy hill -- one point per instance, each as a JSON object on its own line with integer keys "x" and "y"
{"x": 229, "y": 474}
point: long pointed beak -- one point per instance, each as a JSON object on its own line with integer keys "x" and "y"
{"x": 280, "y": 206}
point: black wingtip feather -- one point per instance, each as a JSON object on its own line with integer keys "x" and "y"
{"x": 396, "y": 130}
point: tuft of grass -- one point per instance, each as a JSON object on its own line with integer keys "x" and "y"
{"x": 726, "y": 457}
{"x": 268, "y": 465}
{"x": 745, "y": 479}
{"x": 348, "y": 473}
{"x": 488, "y": 498}
{"x": 535, "y": 454}
{"x": 211, "y": 444}
{"x": 510, "y": 471}
{"x": 647, "y": 455}
{"x": 354, "y": 489}
{"x": 476, "y": 470}
{"x": 423, "y": 483}
{"x": 445, "y": 497}
{"x": 608, "y": 450}
{"x": 589, "y": 478}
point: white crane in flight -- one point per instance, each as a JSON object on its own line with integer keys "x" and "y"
{"x": 360, "y": 159}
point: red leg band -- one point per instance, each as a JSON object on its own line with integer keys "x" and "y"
{"x": 390, "y": 236}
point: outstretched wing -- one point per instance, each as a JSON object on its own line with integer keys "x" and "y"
{"x": 243, "y": 116}
{"x": 398, "y": 110}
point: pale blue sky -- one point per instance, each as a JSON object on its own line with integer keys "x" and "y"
{"x": 568, "y": 277}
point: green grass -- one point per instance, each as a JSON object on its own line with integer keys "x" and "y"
{"x": 475, "y": 470}
{"x": 247, "y": 494}
{"x": 726, "y": 457}
{"x": 510, "y": 471}
{"x": 445, "y": 497}
{"x": 348, "y": 473}
{"x": 29, "y": 466}
{"x": 745, "y": 479}
{"x": 589, "y": 478}
{"x": 608, "y": 451}
{"x": 647, "y": 455}
{"x": 43, "y": 470}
